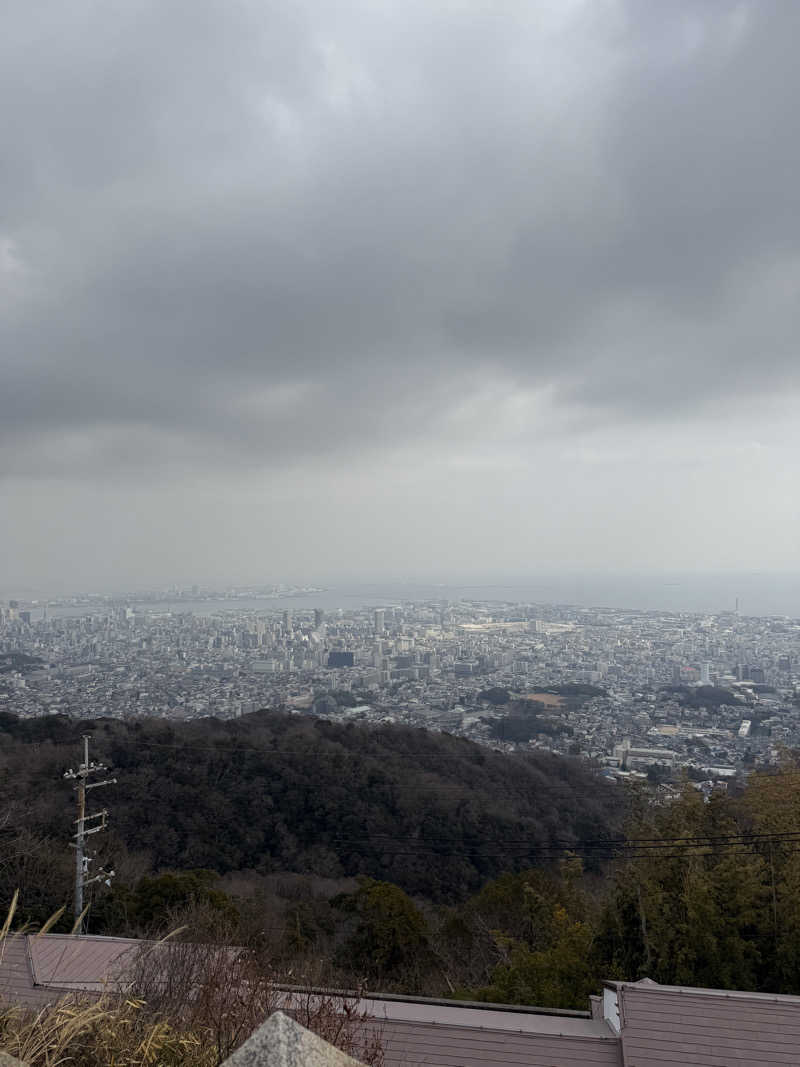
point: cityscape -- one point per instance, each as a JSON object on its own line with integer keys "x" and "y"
{"x": 643, "y": 693}
{"x": 399, "y": 521}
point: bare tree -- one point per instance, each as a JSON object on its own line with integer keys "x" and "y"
{"x": 225, "y": 993}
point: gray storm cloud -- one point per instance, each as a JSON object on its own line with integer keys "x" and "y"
{"x": 250, "y": 237}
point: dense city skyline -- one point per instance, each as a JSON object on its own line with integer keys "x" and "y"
{"x": 422, "y": 290}
{"x": 706, "y": 693}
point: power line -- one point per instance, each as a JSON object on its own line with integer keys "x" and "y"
{"x": 701, "y": 841}
{"x": 629, "y": 848}
{"x": 667, "y": 851}
{"x": 557, "y": 850}
{"x": 397, "y": 845}
{"x": 610, "y": 846}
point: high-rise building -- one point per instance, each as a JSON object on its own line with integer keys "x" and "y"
{"x": 379, "y": 621}
{"x": 340, "y": 659}
{"x": 287, "y": 622}
{"x": 319, "y": 618}
{"x": 705, "y": 674}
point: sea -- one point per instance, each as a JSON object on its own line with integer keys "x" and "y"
{"x": 754, "y": 594}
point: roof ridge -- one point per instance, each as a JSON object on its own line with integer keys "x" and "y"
{"x": 85, "y": 938}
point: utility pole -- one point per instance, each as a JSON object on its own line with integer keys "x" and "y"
{"x": 82, "y": 860}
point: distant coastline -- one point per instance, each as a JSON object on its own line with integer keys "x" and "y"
{"x": 756, "y": 594}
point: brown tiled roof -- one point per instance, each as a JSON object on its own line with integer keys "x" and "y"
{"x": 80, "y": 963}
{"x": 660, "y": 1026}
{"x": 663, "y": 1026}
{"x": 450, "y": 1034}
{"x": 37, "y": 970}
{"x": 16, "y": 977}
{"x": 419, "y": 1032}
{"x": 414, "y": 1044}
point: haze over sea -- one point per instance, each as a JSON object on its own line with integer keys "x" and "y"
{"x": 757, "y": 594}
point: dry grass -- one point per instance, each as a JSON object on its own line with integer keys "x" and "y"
{"x": 185, "y": 1006}
{"x": 109, "y": 1031}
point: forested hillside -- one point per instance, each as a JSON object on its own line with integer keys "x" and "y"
{"x": 422, "y": 863}
{"x": 434, "y": 814}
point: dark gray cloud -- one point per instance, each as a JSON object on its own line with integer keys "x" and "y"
{"x": 365, "y": 208}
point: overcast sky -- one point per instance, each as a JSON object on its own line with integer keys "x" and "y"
{"x": 441, "y": 288}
